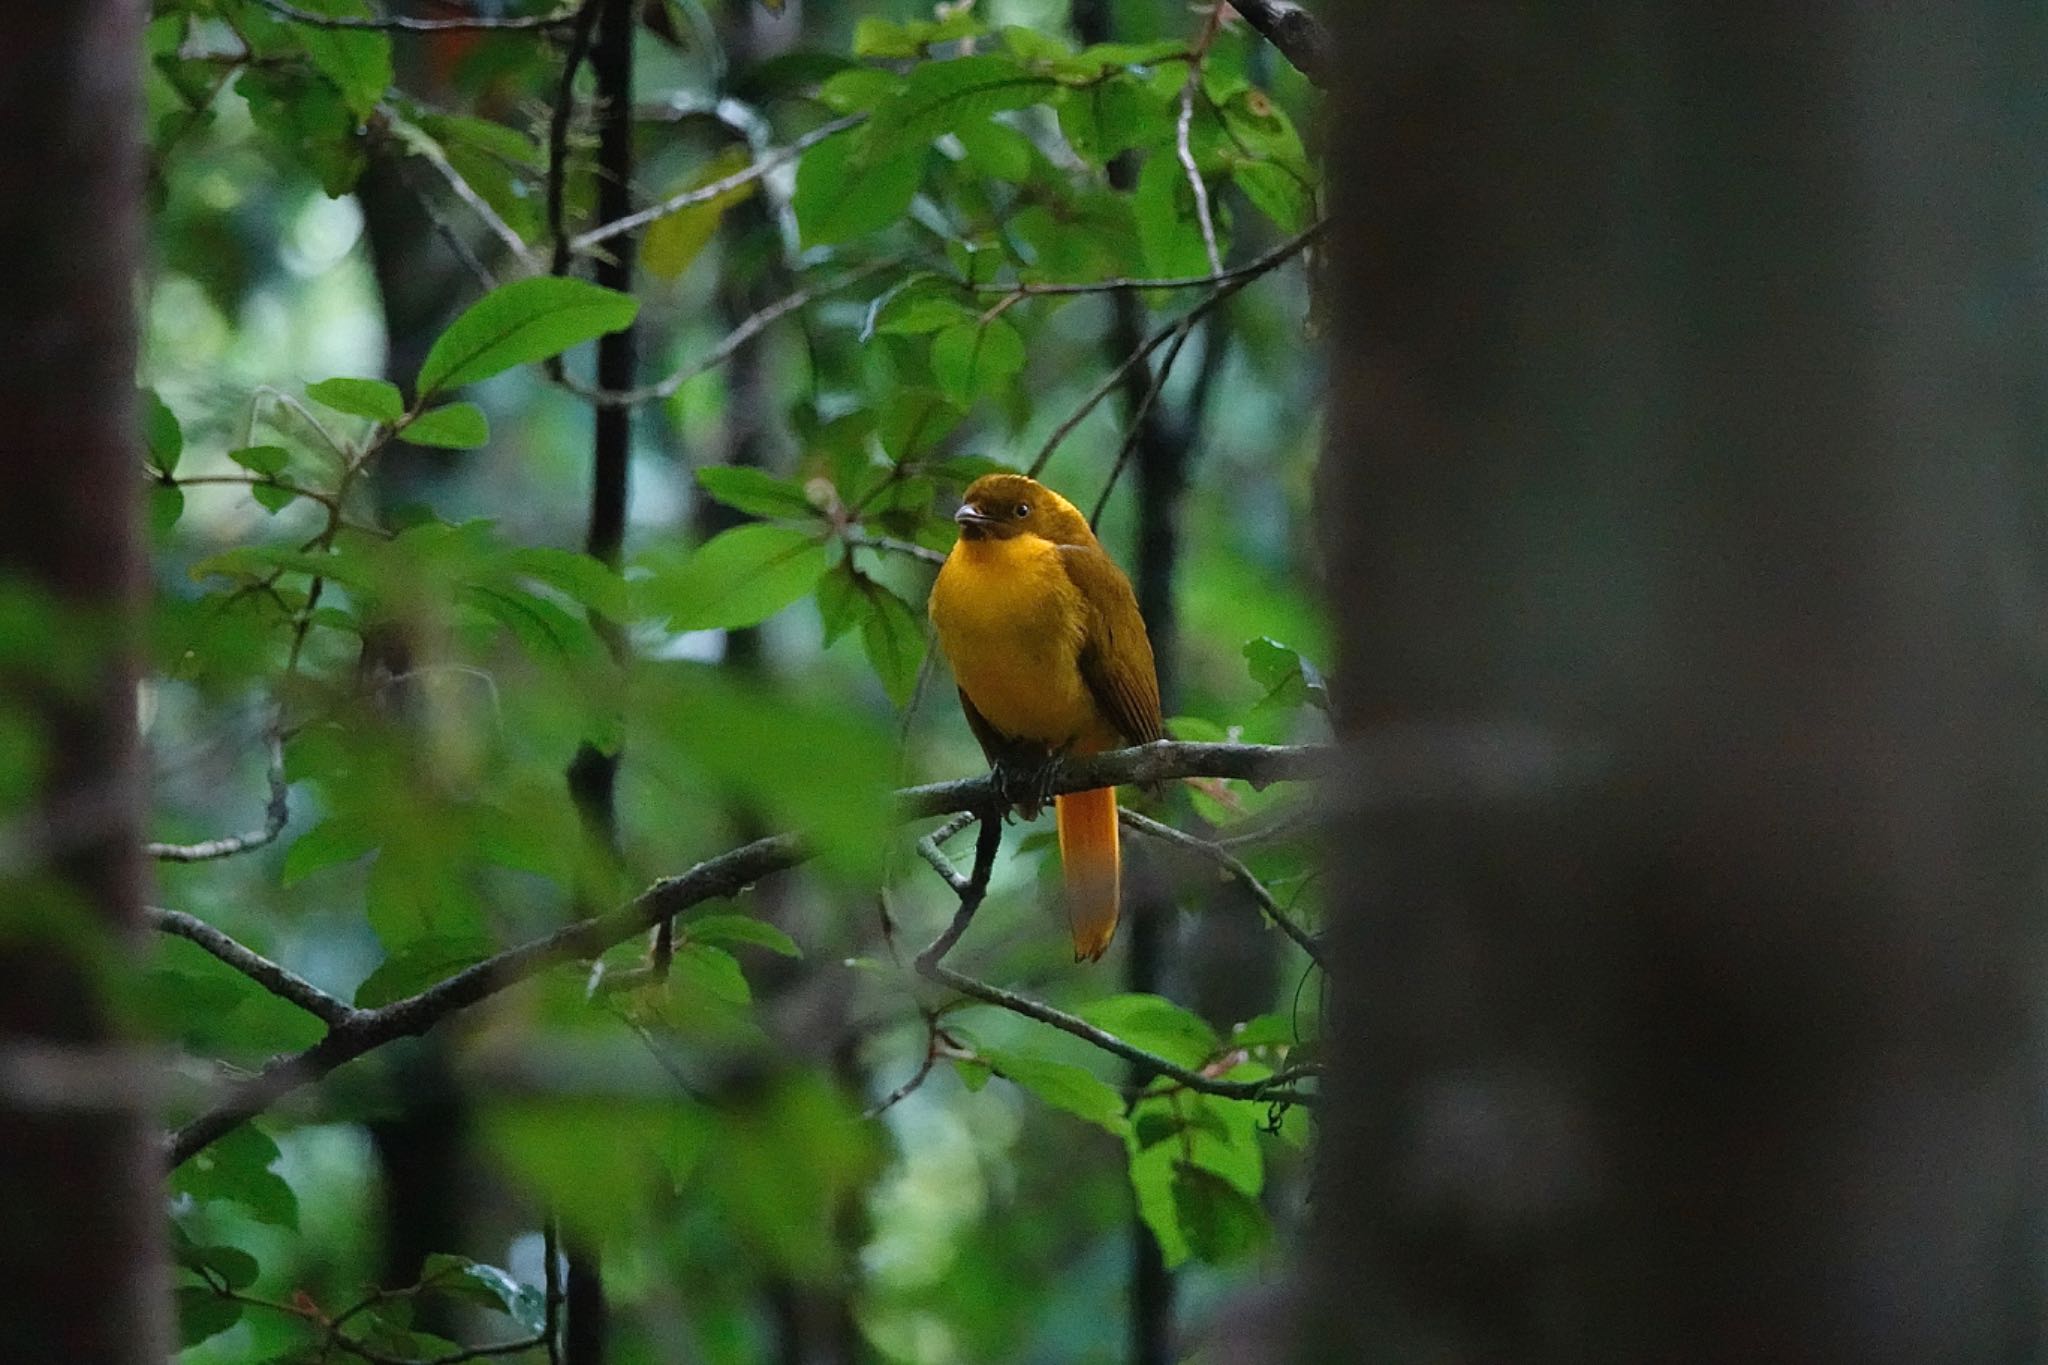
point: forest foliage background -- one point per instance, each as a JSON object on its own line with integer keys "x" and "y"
{"x": 457, "y": 702}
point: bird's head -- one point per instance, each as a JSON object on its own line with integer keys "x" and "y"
{"x": 1002, "y": 506}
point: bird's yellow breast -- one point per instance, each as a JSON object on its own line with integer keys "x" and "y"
{"x": 1012, "y": 623}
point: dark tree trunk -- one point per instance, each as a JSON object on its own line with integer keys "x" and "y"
{"x": 1689, "y": 410}
{"x": 81, "y": 1219}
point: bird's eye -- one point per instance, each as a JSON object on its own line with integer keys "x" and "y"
{"x": 1023, "y": 510}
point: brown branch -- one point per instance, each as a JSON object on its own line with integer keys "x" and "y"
{"x": 704, "y": 194}
{"x": 1241, "y": 874}
{"x": 276, "y": 813}
{"x": 405, "y": 24}
{"x": 1232, "y": 282}
{"x": 281, "y": 982}
{"x": 1295, "y": 33}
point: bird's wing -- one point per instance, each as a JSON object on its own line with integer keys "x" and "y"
{"x": 1116, "y": 655}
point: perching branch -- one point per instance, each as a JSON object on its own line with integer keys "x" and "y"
{"x": 726, "y": 875}
{"x": 1295, "y": 33}
{"x": 405, "y": 24}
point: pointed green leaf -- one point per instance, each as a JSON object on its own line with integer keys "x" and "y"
{"x": 372, "y": 398}
{"x": 1155, "y": 1024}
{"x": 1078, "y": 1092}
{"x": 726, "y": 930}
{"x": 754, "y": 491}
{"x": 521, "y": 322}
{"x": 458, "y": 426}
{"x": 738, "y": 578}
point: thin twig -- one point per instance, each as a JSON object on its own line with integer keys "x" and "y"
{"x": 890, "y": 545}
{"x": 972, "y": 893}
{"x": 1183, "y": 143}
{"x": 1136, "y": 429}
{"x": 1239, "y": 873}
{"x": 407, "y": 24}
{"x": 704, "y": 194}
{"x": 276, "y": 813}
{"x": 420, "y": 144}
{"x": 1233, "y": 281}
{"x": 281, "y": 982}
{"x": 580, "y": 33}
{"x": 725, "y": 350}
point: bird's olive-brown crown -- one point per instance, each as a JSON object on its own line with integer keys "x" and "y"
{"x": 999, "y": 506}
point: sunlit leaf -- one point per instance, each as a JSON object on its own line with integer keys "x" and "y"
{"x": 1069, "y": 1088}
{"x": 1155, "y": 1024}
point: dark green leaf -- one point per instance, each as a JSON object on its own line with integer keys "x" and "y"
{"x": 203, "y": 1313}
{"x": 487, "y": 1286}
{"x": 236, "y": 1168}
{"x": 699, "y": 967}
{"x": 839, "y": 196}
{"x": 1220, "y": 1222}
{"x": 421, "y": 963}
{"x": 161, "y": 433}
{"x": 941, "y": 96}
{"x": 584, "y": 580}
{"x": 755, "y": 491}
{"x": 334, "y": 840}
{"x": 521, "y": 322}
{"x": 372, "y": 398}
{"x": 892, "y": 632}
{"x": 727, "y": 930}
{"x": 970, "y": 360}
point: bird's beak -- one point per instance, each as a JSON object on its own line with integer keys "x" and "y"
{"x": 970, "y": 515}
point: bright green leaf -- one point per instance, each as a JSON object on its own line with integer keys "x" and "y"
{"x": 1220, "y": 1222}
{"x": 675, "y": 241}
{"x": 754, "y": 491}
{"x": 738, "y": 578}
{"x": 840, "y": 197}
{"x": 357, "y": 60}
{"x": 458, "y": 426}
{"x": 263, "y": 461}
{"x": 375, "y": 399}
{"x": 1078, "y": 1092}
{"x": 521, "y": 322}
{"x": 1155, "y": 1024}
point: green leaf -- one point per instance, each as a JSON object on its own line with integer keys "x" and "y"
{"x": 1288, "y": 678}
{"x": 1220, "y": 1222}
{"x": 1152, "y": 1171}
{"x": 842, "y": 600}
{"x": 582, "y": 579}
{"x": 203, "y": 1313}
{"x": 231, "y": 1266}
{"x": 235, "y": 1168}
{"x": 1266, "y": 1030}
{"x": 372, "y": 398}
{"x": 675, "y": 241}
{"x": 421, "y": 963}
{"x": 486, "y": 1286}
{"x": 263, "y": 461}
{"x": 357, "y": 61}
{"x": 1277, "y": 192}
{"x": 916, "y": 420}
{"x": 754, "y": 491}
{"x": 1169, "y": 232}
{"x": 332, "y": 841}
{"x": 166, "y": 505}
{"x": 738, "y": 578}
{"x": 274, "y": 497}
{"x": 458, "y": 426}
{"x": 892, "y": 633}
{"x": 701, "y": 968}
{"x": 839, "y": 196}
{"x": 161, "y": 433}
{"x": 941, "y": 96}
{"x": 726, "y": 930}
{"x": 1156, "y": 1024}
{"x": 885, "y": 38}
{"x": 1078, "y": 1092}
{"x": 971, "y": 360}
{"x": 521, "y": 322}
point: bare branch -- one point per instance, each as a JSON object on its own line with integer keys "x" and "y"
{"x": 1136, "y": 427}
{"x": 406, "y": 24}
{"x": 725, "y": 185}
{"x": 276, "y": 813}
{"x": 891, "y": 545}
{"x": 1183, "y": 143}
{"x": 280, "y": 981}
{"x": 1239, "y": 873}
{"x": 1295, "y": 33}
{"x": 1232, "y": 282}
{"x": 417, "y": 142}
{"x": 726, "y": 349}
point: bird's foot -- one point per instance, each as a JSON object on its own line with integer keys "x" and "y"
{"x": 1027, "y": 787}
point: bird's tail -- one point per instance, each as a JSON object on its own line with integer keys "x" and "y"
{"x": 1092, "y": 860}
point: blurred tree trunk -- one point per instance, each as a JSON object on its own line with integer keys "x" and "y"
{"x": 1689, "y": 408}
{"x": 80, "y": 1225}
